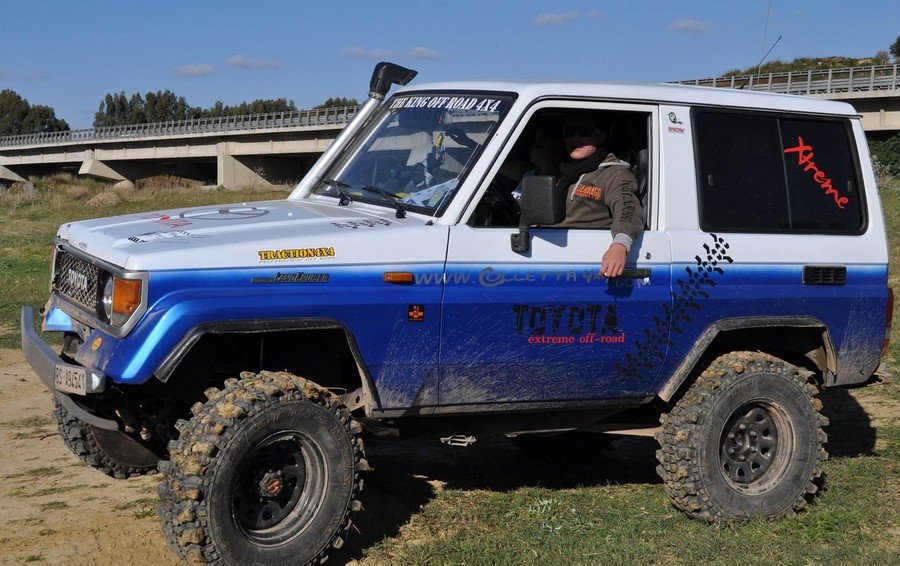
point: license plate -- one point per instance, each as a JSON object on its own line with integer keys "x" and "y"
{"x": 71, "y": 379}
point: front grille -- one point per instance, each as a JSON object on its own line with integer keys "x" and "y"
{"x": 77, "y": 280}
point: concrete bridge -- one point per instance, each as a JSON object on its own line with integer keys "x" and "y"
{"x": 874, "y": 91}
{"x": 232, "y": 151}
{"x": 265, "y": 149}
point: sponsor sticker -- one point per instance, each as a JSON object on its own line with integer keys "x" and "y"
{"x": 416, "y": 313}
{"x": 357, "y": 224}
{"x": 568, "y": 324}
{"x": 476, "y": 103}
{"x": 181, "y": 236}
{"x": 296, "y": 254}
{"x": 292, "y": 278}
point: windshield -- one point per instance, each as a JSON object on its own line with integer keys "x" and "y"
{"x": 417, "y": 151}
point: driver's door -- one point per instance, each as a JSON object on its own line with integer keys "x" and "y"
{"x": 544, "y": 326}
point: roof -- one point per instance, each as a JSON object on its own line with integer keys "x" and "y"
{"x": 662, "y": 93}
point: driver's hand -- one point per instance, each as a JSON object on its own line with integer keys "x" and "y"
{"x": 460, "y": 137}
{"x": 613, "y": 261}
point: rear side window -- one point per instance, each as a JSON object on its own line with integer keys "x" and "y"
{"x": 769, "y": 173}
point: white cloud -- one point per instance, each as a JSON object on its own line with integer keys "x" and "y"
{"x": 555, "y": 19}
{"x": 242, "y": 62}
{"x": 195, "y": 70}
{"x": 373, "y": 54}
{"x": 414, "y": 53}
{"x": 25, "y": 78}
{"x": 689, "y": 26}
{"x": 424, "y": 53}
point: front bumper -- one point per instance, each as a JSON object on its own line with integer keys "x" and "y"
{"x": 43, "y": 361}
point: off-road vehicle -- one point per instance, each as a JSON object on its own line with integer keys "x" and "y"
{"x": 403, "y": 286}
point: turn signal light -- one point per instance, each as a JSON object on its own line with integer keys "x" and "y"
{"x": 126, "y": 295}
{"x": 398, "y": 277}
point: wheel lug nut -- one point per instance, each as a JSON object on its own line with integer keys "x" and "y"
{"x": 752, "y": 434}
{"x": 742, "y": 427}
{"x": 731, "y": 436}
{"x": 742, "y": 458}
{"x": 731, "y": 450}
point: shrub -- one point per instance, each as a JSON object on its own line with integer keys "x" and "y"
{"x": 105, "y": 199}
{"x": 887, "y": 154}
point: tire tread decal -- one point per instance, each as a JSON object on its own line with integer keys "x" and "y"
{"x": 650, "y": 349}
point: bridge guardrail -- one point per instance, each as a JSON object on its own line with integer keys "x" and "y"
{"x": 315, "y": 117}
{"x": 820, "y": 81}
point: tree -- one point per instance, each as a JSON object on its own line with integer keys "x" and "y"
{"x": 13, "y": 109}
{"x": 895, "y": 49}
{"x": 17, "y": 116}
{"x": 42, "y": 119}
{"x": 338, "y": 102}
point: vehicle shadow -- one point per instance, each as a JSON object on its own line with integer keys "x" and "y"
{"x": 850, "y": 432}
{"x": 407, "y": 472}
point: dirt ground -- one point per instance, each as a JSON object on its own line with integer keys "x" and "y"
{"x": 56, "y": 510}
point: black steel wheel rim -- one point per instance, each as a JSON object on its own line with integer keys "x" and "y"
{"x": 755, "y": 446}
{"x": 279, "y": 487}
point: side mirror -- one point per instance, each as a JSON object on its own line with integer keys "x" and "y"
{"x": 540, "y": 204}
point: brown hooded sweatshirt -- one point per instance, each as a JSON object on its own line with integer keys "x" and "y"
{"x": 605, "y": 198}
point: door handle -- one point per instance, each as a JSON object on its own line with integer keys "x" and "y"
{"x": 640, "y": 273}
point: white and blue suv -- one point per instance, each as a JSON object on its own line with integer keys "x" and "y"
{"x": 402, "y": 284}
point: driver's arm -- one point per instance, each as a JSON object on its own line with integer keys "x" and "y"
{"x": 627, "y": 221}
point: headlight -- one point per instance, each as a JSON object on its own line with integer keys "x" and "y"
{"x": 106, "y": 301}
{"x": 121, "y": 297}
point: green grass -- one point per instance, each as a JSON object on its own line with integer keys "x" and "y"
{"x": 42, "y": 472}
{"x": 54, "y": 506}
{"x": 490, "y": 504}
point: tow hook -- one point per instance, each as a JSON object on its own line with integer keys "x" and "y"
{"x": 458, "y": 440}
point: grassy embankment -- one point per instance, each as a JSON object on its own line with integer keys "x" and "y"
{"x": 490, "y": 504}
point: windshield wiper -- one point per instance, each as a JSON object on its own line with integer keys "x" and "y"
{"x": 390, "y": 197}
{"x": 339, "y": 186}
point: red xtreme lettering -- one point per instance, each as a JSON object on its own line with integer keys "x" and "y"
{"x": 805, "y": 157}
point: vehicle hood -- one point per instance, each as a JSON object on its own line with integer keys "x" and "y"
{"x": 235, "y": 235}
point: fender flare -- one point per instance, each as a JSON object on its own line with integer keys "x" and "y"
{"x": 727, "y": 324}
{"x": 261, "y": 326}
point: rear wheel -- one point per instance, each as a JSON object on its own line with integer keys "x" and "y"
{"x": 266, "y": 472}
{"x": 113, "y": 452}
{"x": 745, "y": 441}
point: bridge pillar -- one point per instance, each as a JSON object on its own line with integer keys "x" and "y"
{"x": 9, "y": 175}
{"x": 234, "y": 171}
{"x": 125, "y": 172}
{"x": 96, "y": 168}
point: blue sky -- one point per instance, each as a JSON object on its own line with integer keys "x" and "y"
{"x": 68, "y": 55}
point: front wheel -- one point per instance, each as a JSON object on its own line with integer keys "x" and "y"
{"x": 113, "y": 452}
{"x": 266, "y": 472}
{"x": 745, "y": 441}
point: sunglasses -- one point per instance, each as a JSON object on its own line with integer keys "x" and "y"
{"x": 580, "y": 131}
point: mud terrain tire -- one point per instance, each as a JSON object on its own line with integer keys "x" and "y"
{"x": 112, "y": 452}
{"x": 267, "y": 471}
{"x": 745, "y": 442}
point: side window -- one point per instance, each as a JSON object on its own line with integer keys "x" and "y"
{"x": 741, "y": 173}
{"x": 769, "y": 173}
{"x": 821, "y": 176}
{"x": 543, "y": 149}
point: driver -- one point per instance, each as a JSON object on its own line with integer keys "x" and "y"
{"x": 600, "y": 189}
